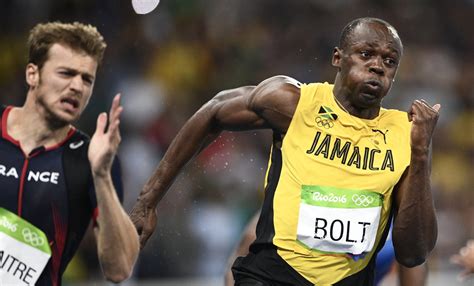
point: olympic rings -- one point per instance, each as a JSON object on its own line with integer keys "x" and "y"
{"x": 362, "y": 200}
{"x": 32, "y": 237}
{"x": 322, "y": 122}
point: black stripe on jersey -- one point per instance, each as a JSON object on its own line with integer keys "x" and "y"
{"x": 265, "y": 226}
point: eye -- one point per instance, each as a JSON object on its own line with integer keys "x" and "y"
{"x": 66, "y": 73}
{"x": 365, "y": 54}
{"x": 390, "y": 62}
{"x": 87, "y": 80}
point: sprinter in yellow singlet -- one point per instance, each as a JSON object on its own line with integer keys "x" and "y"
{"x": 340, "y": 167}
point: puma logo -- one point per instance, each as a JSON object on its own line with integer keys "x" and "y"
{"x": 383, "y": 133}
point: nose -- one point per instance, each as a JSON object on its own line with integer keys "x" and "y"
{"x": 77, "y": 84}
{"x": 376, "y": 66}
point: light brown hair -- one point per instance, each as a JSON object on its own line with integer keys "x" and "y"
{"x": 77, "y": 36}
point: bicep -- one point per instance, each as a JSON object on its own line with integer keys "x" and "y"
{"x": 271, "y": 104}
{"x": 233, "y": 111}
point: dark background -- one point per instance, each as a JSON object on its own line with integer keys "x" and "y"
{"x": 171, "y": 61}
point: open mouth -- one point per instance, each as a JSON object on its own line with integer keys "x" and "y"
{"x": 71, "y": 103}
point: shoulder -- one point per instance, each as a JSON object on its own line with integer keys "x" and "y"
{"x": 78, "y": 140}
{"x": 279, "y": 83}
{"x": 394, "y": 115}
{"x": 79, "y": 134}
{"x": 396, "y": 118}
{"x": 277, "y": 90}
{"x": 3, "y": 108}
{"x": 76, "y": 148}
{"x": 316, "y": 87}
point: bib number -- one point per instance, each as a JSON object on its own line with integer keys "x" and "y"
{"x": 338, "y": 220}
{"x": 24, "y": 250}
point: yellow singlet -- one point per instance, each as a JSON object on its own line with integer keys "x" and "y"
{"x": 331, "y": 185}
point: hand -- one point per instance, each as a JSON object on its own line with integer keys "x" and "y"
{"x": 465, "y": 258}
{"x": 144, "y": 218}
{"x": 424, "y": 118}
{"x": 104, "y": 144}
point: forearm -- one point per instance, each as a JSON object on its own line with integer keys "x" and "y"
{"x": 415, "y": 227}
{"x": 198, "y": 132}
{"x": 244, "y": 108}
{"x": 117, "y": 238}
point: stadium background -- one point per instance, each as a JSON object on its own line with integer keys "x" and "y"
{"x": 171, "y": 61}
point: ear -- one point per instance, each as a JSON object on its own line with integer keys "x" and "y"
{"x": 32, "y": 75}
{"x": 336, "y": 57}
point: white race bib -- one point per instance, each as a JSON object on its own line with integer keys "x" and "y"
{"x": 24, "y": 250}
{"x": 338, "y": 220}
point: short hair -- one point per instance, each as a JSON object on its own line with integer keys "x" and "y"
{"x": 346, "y": 33}
{"x": 77, "y": 36}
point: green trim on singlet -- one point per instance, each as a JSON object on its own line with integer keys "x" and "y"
{"x": 331, "y": 197}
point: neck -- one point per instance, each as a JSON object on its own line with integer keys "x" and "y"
{"x": 343, "y": 95}
{"x": 29, "y": 126}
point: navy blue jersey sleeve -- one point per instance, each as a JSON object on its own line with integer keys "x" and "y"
{"x": 117, "y": 180}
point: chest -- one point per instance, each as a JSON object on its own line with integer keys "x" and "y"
{"x": 328, "y": 151}
{"x": 32, "y": 187}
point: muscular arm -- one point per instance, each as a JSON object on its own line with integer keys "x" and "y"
{"x": 271, "y": 104}
{"x": 415, "y": 227}
{"x": 117, "y": 239}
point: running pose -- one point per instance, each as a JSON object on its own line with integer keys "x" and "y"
{"x": 385, "y": 261}
{"x": 340, "y": 167}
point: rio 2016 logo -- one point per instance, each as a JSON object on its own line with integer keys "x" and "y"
{"x": 317, "y": 196}
{"x": 8, "y": 224}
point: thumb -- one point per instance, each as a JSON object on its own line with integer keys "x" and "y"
{"x": 437, "y": 107}
{"x": 101, "y": 123}
{"x": 143, "y": 239}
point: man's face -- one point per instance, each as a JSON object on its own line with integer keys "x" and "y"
{"x": 64, "y": 84}
{"x": 368, "y": 64}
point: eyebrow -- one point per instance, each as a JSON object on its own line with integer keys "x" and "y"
{"x": 371, "y": 45}
{"x": 84, "y": 74}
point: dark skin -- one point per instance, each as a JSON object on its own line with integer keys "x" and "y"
{"x": 366, "y": 68}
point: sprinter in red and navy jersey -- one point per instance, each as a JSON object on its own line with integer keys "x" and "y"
{"x": 51, "y": 174}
